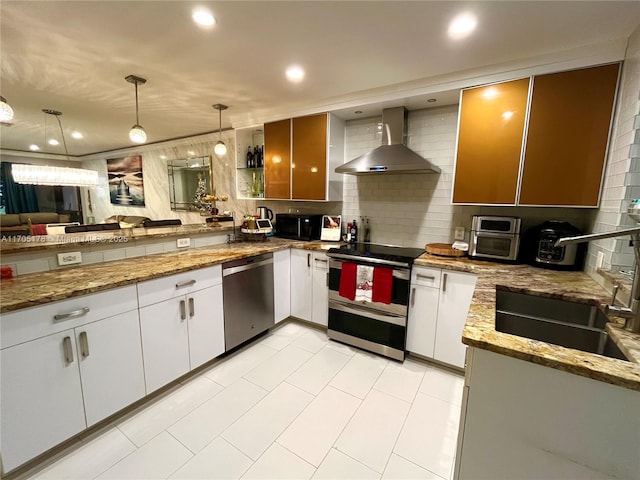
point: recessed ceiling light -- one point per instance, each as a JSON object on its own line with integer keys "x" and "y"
{"x": 358, "y": 112}
{"x": 431, "y": 100}
{"x": 34, "y": 147}
{"x": 295, "y": 73}
{"x": 77, "y": 135}
{"x": 53, "y": 141}
{"x": 203, "y": 17}
{"x": 191, "y": 152}
{"x": 462, "y": 25}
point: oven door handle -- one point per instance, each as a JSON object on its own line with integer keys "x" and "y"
{"x": 366, "y": 312}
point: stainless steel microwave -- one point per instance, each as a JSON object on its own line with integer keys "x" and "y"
{"x": 495, "y": 238}
{"x": 298, "y": 226}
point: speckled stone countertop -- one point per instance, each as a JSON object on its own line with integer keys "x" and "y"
{"x": 72, "y": 240}
{"x": 39, "y": 288}
{"x": 480, "y": 330}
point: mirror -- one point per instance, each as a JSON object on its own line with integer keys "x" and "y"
{"x": 188, "y": 179}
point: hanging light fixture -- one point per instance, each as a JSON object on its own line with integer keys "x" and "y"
{"x": 137, "y": 133}
{"x": 6, "y": 112}
{"x": 45, "y": 175}
{"x": 220, "y": 148}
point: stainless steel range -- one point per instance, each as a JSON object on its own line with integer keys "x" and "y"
{"x": 372, "y": 325}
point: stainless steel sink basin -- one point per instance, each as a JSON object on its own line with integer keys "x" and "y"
{"x": 561, "y": 322}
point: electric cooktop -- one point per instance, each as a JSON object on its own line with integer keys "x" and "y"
{"x": 372, "y": 252}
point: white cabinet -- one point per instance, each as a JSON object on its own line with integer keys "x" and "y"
{"x": 320, "y": 289}
{"x": 309, "y": 288}
{"x": 301, "y": 284}
{"x": 423, "y": 311}
{"x": 438, "y": 310}
{"x": 185, "y": 329}
{"x": 282, "y": 284}
{"x": 56, "y": 381}
{"x": 456, "y": 291}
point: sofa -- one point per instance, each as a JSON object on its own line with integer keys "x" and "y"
{"x": 15, "y": 224}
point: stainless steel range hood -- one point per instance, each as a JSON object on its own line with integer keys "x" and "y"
{"x": 393, "y": 156}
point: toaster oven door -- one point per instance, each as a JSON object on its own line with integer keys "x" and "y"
{"x": 495, "y": 246}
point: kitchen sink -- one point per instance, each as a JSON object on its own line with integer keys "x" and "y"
{"x": 561, "y": 322}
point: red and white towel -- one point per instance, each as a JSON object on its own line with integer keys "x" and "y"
{"x": 363, "y": 283}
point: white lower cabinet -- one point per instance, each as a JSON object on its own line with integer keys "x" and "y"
{"x": 309, "y": 287}
{"x": 282, "y": 284}
{"x": 56, "y": 385}
{"x": 438, "y": 310}
{"x": 456, "y": 291}
{"x": 301, "y": 284}
{"x": 320, "y": 289}
{"x": 182, "y": 332}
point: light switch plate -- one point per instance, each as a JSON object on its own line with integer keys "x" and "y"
{"x": 458, "y": 233}
{"x": 183, "y": 242}
{"x": 69, "y": 258}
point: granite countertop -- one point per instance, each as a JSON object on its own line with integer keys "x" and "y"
{"x": 479, "y": 331}
{"x": 56, "y": 242}
{"x": 39, "y": 288}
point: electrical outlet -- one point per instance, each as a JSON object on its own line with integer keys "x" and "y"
{"x": 183, "y": 242}
{"x": 599, "y": 259}
{"x": 69, "y": 258}
{"x": 458, "y": 233}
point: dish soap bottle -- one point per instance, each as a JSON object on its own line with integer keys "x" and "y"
{"x": 354, "y": 232}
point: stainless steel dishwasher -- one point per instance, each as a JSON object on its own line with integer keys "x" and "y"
{"x": 247, "y": 287}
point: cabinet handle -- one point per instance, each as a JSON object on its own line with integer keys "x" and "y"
{"x": 68, "y": 349}
{"x": 327, "y": 279}
{"x": 183, "y": 310}
{"x": 426, "y": 277}
{"x": 444, "y": 282}
{"x": 413, "y": 296}
{"x": 308, "y": 260}
{"x": 192, "y": 309}
{"x": 84, "y": 344}
{"x": 60, "y": 317}
{"x": 188, "y": 283}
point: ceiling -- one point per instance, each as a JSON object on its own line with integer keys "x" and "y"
{"x": 73, "y": 56}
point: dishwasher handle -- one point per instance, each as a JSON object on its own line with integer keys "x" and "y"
{"x": 248, "y": 266}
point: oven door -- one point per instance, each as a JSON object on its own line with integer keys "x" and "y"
{"x": 367, "y": 329}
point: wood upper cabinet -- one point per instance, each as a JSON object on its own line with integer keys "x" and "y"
{"x": 309, "y": 169}
{"x": 301, "y": 155}
{"x": 490, "y": 135}
{"x": 565, "y": 132}
{"x": 567, "y": 136}
{"x": 277, "y": 159}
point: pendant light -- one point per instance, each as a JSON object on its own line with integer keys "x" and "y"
{"x": 220, "y": 148}
{"x": 137, "y": 133}
{"x": 6, "y": 112}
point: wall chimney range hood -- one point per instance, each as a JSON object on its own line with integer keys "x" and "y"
{"x": 393, "y": 156}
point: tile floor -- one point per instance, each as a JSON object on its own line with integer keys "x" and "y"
{"x": 292, "y": 405}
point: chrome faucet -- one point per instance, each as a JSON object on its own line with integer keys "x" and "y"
{"x": 631, "y": 314}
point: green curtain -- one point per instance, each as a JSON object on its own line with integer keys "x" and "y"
{"x": 18, "y": 198}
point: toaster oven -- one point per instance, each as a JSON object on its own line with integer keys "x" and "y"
{"x": 495, "y": 238}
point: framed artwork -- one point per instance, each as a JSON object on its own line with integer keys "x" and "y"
{"x": 126, "y": 186}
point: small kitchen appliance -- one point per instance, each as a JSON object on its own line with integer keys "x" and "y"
{"x": 264, "y": 212}
{"x": 296, "y": 226}
{"x": 495, "y": 238}
{"x": 538, "y": 246}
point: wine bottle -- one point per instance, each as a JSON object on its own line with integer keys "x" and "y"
{"x": 249, "y": 158}
{"x": 354, "y": 232}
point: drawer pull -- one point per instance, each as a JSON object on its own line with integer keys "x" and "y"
{"x": 183, "y": 310}
{"x": 308, "y": 259}
{"x": 426, "y": 277}
{"x": 444, "y": 282}
{"x": 84, "y": 344}
{"x": 68, "y": 349}
{"x": 60, "y": 317}
{"x": 192, "y": 309}
{"x": 188, "y": 283}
